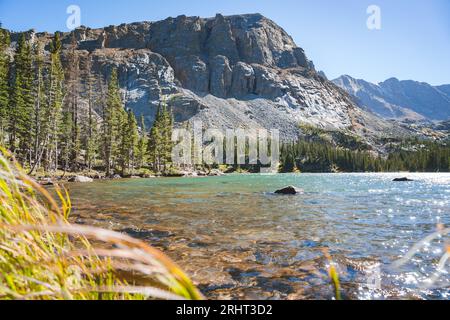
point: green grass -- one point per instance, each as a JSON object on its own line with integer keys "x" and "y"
{"x": 334, "y": 275}
{"x": 43, "y": 256}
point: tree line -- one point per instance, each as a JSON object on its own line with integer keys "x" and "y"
{"x": 320, "y": 156}
{"x": 43, "y": 125}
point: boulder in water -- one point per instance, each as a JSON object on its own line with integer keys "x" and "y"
{"x": 290, "y": 190}
{"x": 81, "y": 179}
{"x": 46, "y": 182}
{"x": 215, "y": 173}
{"x": 404, "y": 179}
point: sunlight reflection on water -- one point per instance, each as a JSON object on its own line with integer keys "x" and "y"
{"x": 239, "y": 240}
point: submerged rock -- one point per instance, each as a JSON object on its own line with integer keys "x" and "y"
{"x": 147, "y": 234}
{"x": 402, "y": 179}
{"x": 193, "y": 174}
{"x": 290, "y": 190}
{"x": 215, "y": 173}
{"x": 46, "y": 182}
{"x": 81, "y": 179}
{"x": 190, "y": 174}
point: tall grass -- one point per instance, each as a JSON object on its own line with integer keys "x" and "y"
{"x": 334, "y": 275}
{"x": 43, "y": 256}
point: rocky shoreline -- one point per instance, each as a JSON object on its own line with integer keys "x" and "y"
{"x": 91, "y": 177}
{"x": 83, "y": 177}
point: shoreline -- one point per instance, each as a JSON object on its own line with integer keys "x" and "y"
{"x": 84, "y": 177}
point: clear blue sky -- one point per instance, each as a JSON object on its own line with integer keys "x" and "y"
{"x": 413, "y": 43}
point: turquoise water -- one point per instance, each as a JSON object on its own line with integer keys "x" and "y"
{"x": 240, "y": 241}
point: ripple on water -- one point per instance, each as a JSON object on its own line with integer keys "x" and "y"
{"x": 238, "y": 240}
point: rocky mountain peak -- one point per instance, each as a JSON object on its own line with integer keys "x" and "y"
{"x": 249, "y": 38}
{"x": 392, "y": 80}
{"x": 228, "y": 71}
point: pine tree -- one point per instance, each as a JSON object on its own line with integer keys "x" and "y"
{"x": 90, "y": 144}
{"x": 22, "y": 102}
{"x": 129, "y": 142}
{"x": 4, "y": 84}
{"x": 65, "y": 139}
{"x": 154, "y": 147}
{"x": 53, "y": 109}
{"x": 160, "y": 142}
{"x": 73, "y": 91}
{"x": 112, "y": 125}
{"x": 167, "y": 133}
{"x": 141, "y": 150}
{"x": 39, "y": 96}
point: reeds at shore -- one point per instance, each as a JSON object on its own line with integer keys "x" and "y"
{"x": 43, "y": 256}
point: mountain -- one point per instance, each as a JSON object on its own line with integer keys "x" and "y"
{"x": 445, "y": 89}
{"x": 402, "y": 100}
{"x": 241, "y": 71}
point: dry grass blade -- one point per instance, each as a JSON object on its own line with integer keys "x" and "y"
{"x": 155, "y": 262}
{"x": 43, "y": 256}
{"x": 146, "y": 291}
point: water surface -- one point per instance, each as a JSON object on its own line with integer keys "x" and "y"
{"x": 238, "y": 240}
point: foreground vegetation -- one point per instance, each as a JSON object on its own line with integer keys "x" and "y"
{"x": 43, "y": 256}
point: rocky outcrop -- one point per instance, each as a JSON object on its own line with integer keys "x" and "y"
{"x": 243, "y": 80}
{"x": 241, "y": 71}
{"x": 220, "y": 40}
{"x": 221, "y": 76}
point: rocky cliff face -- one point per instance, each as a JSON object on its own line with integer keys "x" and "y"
{"x": 237, "y": 71}
{"x": 400, "y": 99}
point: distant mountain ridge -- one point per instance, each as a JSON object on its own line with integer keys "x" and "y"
{"x": 402, "y": 100}
{"x": 444, "y": 88}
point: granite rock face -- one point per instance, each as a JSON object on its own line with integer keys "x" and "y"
{"x": 241, "y": 71}
{"x": 221, "y": 76}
